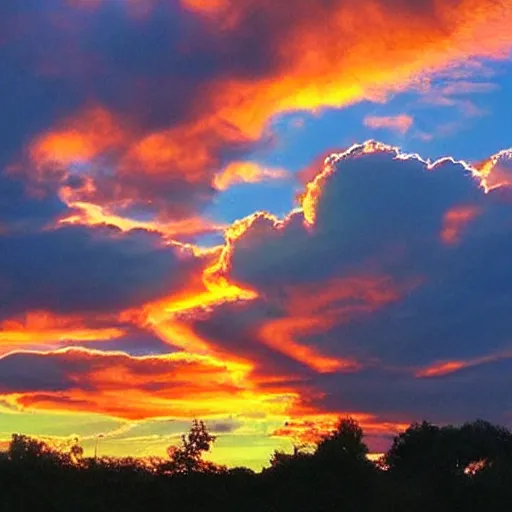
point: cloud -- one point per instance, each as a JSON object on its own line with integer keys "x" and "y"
{"x": 21, "y": 210}
{"x": 121, "y": 126}
{"x": 356, "y": 213}
{"x": 314, "y": 76}
{"x": 90, "y": 214}
{"x": 40, "y": 328}
{"x": 401, "y": 123}
{"x": 455, "y": 221}
{"x": 246, "y": 172}
{"x": 97, "y": 163}
{"x": 385, "y": 295}
{"x": 115, "y": 384}
{"x": 453, "y": 398}
{"x": 82, "y": 269}
{"x": 202, "y": 81}
{"x": 497, "y": 171}
{"x": 462, "y": 87}
{"x": 45, "y": 330}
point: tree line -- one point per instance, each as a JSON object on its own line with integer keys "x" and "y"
{"x": 428, "y": 468}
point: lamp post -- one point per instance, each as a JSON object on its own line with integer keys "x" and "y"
{"x": 98, "y": 437}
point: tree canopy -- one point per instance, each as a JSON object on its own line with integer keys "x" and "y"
{"x": 428, "y": 467}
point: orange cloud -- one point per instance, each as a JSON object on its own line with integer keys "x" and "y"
{"x": 280, "y": 334}
{"x": 319, "y": 40}
{"x": 245, "y": 172}
{"x": 46, "y": 328}
{"x": 166, "y": 171}
{"x": 78, "y": 139}
{"x": 363, "y": 293}
{"x": 209, "y": 287}
{"x": 455, "y": 221}
{"x": 401, "y": 123}
{"x": 174, "y": 385}
{"x": 92, "y": 215}
{"x": 189, "y": 149}
{"x": 316, "y": 308}
{"x": 442, "y": 368}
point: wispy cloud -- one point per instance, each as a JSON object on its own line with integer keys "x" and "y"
{"x": 400, "y": 123}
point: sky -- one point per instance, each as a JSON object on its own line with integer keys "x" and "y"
{"x": 261, "y": 213}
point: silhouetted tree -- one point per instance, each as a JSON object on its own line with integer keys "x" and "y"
{"x": 421, "y": 449}
{"x": 32, "y": 451}
{"x": 24, "y": 448}
{"x": 282, "y": 459}
{"x": 440, "y": 466}
{"x": 483, "y": 441}
{"x": 441, "y": 451}
{"x": 428, "y": 468}
{"x": 344, "y": 442}
{"x": 188, "y": 457}
{"x": 333, "y": 475}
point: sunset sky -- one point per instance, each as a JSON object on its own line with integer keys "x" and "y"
{"x": 262, "y": 213}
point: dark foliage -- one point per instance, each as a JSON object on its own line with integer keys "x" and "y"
{"x": 428, "y": 468}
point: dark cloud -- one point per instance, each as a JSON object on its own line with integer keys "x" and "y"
{"x": 21, "y": 211}
{"x": 375, "y": 206}
{"x": 80, "y": 269}
{"x": 224, "y": 427}
{"x": 232, "y": 328}
{"x": 480, "y": 391}
{"x": 403, "y": 271}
